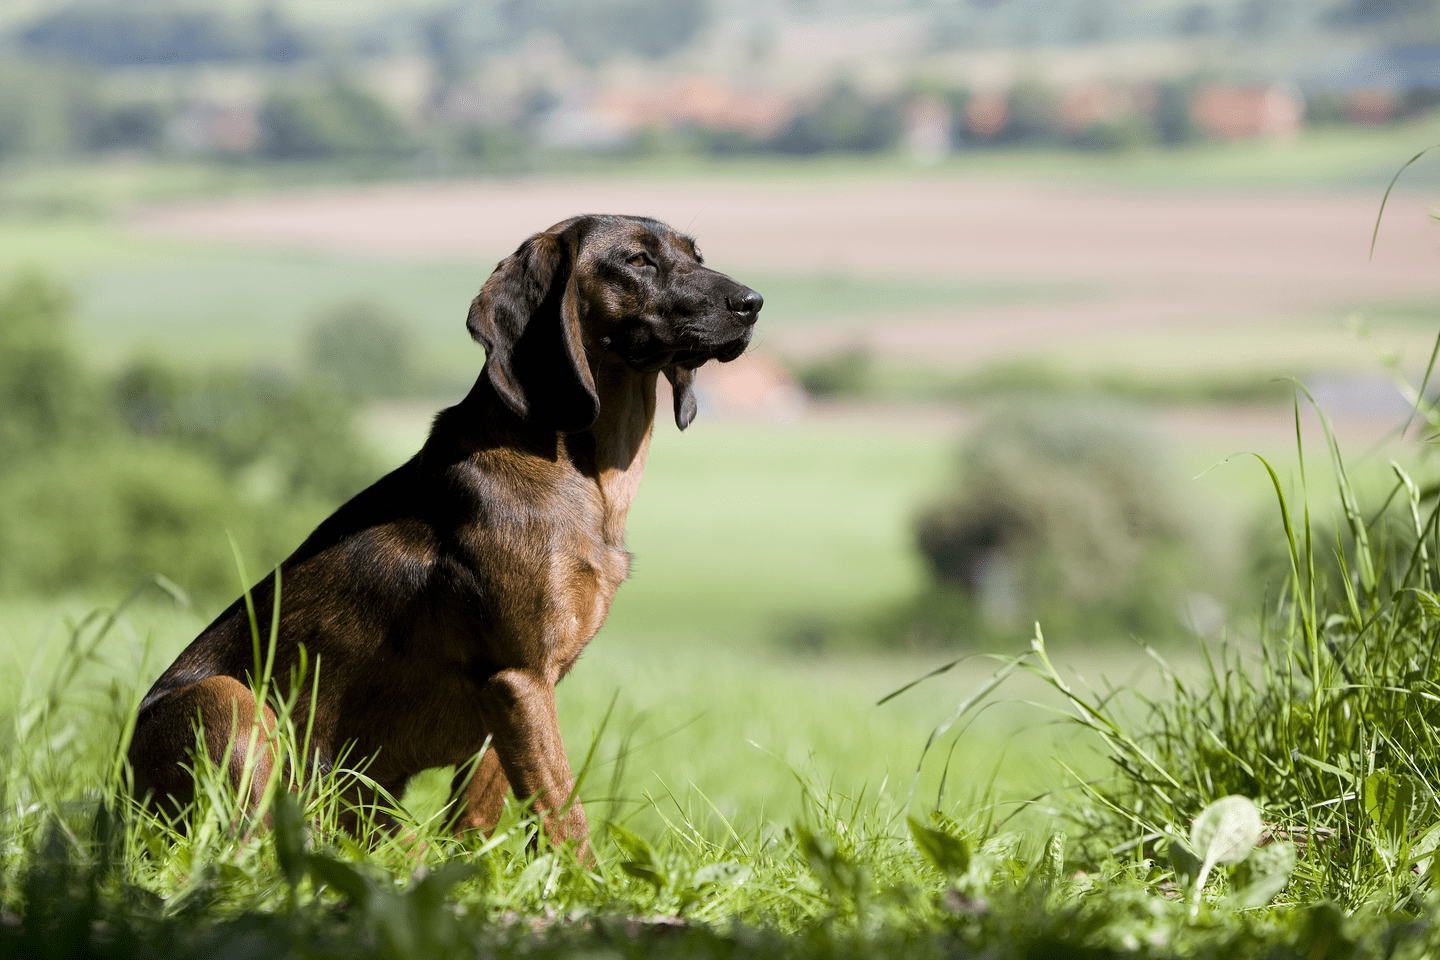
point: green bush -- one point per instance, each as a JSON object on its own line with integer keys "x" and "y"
{"x": 844, "y": 120}
{"x": 360, "y": 350}
{"x": 338, "y": 120}
{"x": 46, "y": 396}
{"x": 274, "y": 437}
{"x": 843, "y": 374}
{"x": 1064, "y": 513}
{"x": 106, "y": 515}
{"x": 103, "y": 483}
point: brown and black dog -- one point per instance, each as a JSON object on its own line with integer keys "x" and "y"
{"x": 444, "y": 603}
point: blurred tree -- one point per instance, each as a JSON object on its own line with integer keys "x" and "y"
{"x": 1032, "y": 113}
{"x": 361, "y": 351}
{"x": 846, "y": 373}
{"x": 1376, "y": 12}
{"x": 162, "y": 32}
{"x": 134, "y": 126}
{"x": 1063, "y": 514}
{"x": 46, "y": 397}
{"x": 46, "y": 109}
{"x": 1195, "y": 20}
{"x": 101, "y": 487}
{"x": 842, "y": 119}
{"x": 105, "y": 515}
{"x": 340, "y": 119}
{"x": 276, "y": 438}
{"x": 1174, "y": 124}
{"x": 593, "y": 31}
{"x": 1259, "y": 19}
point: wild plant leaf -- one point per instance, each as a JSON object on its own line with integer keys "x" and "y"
{"x": 532, "y": 877}
{"x": 289, "y": 835}
{"x": 950, "y": 854}
{"x": 1052, "y": 864}
{"x": 1226, "y": 831}
{"x": 645, "y": 872}
{"x": 1422, "y": 853}
{"x": 1428, "y": 602}
{"x": 341, "y": 876}
{"x": 634, "y": 847}
{"x": 428, "y": 896}
{"x": 1263, "y": 875}
{"x": 1329, "y": 768}
{"x": 156, "y": 847}
{"x": 643, "y": 864}
{"x": 1182, "y": 858}
{"x": 1387, "y": 801}
{"x": 841, "y": 876}
{"x": 722, "y": 874}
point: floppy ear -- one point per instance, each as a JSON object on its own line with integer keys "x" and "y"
{"x": 682, "y": 384}
{"x": 526, "y": 318}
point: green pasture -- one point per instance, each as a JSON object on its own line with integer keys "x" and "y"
{"x": 216, "y": 303}
{"x": 742, "y": 531}
{"x": 212, "y": 304}
{"x": 746, "y": 803}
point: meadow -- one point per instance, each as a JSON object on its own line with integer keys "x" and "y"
{"x": 751, "y": 794}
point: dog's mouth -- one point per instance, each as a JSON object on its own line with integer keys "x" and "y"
{"x": 692, "y": 357}
{"x": 734, "y": 348}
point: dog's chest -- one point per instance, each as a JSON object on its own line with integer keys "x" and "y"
{"x": 578, "y": 596}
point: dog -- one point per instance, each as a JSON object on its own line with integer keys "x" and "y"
{"x": 442, "y": 604}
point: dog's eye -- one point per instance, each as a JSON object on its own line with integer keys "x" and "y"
{"x": 639, "y": 260}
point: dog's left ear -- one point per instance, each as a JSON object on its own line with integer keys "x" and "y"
{"x": 526, "y": 318}
{"x": 682, "y": 385}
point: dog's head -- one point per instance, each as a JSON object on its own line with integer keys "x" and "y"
{"x": 628, "y": 286}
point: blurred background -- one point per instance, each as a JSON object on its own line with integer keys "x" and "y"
{"x": 1033, "y": 271}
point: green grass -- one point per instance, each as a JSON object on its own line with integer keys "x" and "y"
{"x": 749, "y": 804}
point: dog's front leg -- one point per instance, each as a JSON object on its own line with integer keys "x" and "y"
{"x": 518, "y": 709}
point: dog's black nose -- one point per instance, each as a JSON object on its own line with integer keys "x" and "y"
{"x": 747, "y": 307}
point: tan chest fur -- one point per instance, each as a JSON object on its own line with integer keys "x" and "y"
{"x": 554, "y": 598}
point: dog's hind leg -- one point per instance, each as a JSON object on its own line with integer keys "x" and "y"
{"x": 164, "y": 743}
{"x": 481, "y": 795}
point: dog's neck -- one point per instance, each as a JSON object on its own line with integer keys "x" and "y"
{"x": 621, "y": 438}
{"x": 610, "y": 455}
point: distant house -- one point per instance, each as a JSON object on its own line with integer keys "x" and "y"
{"x": 206, "y": 127}
{"x": 751, "y": 386}
{"x": 1240, "y": 113}
{"x": 1370, "y": 105}
{"x": 612, "y": 117}
{"x": 1086, "y": 105}
{"x": 928, "y": 129}
{"x": 700, "y": 101}
{"x": 987, "y": 114}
